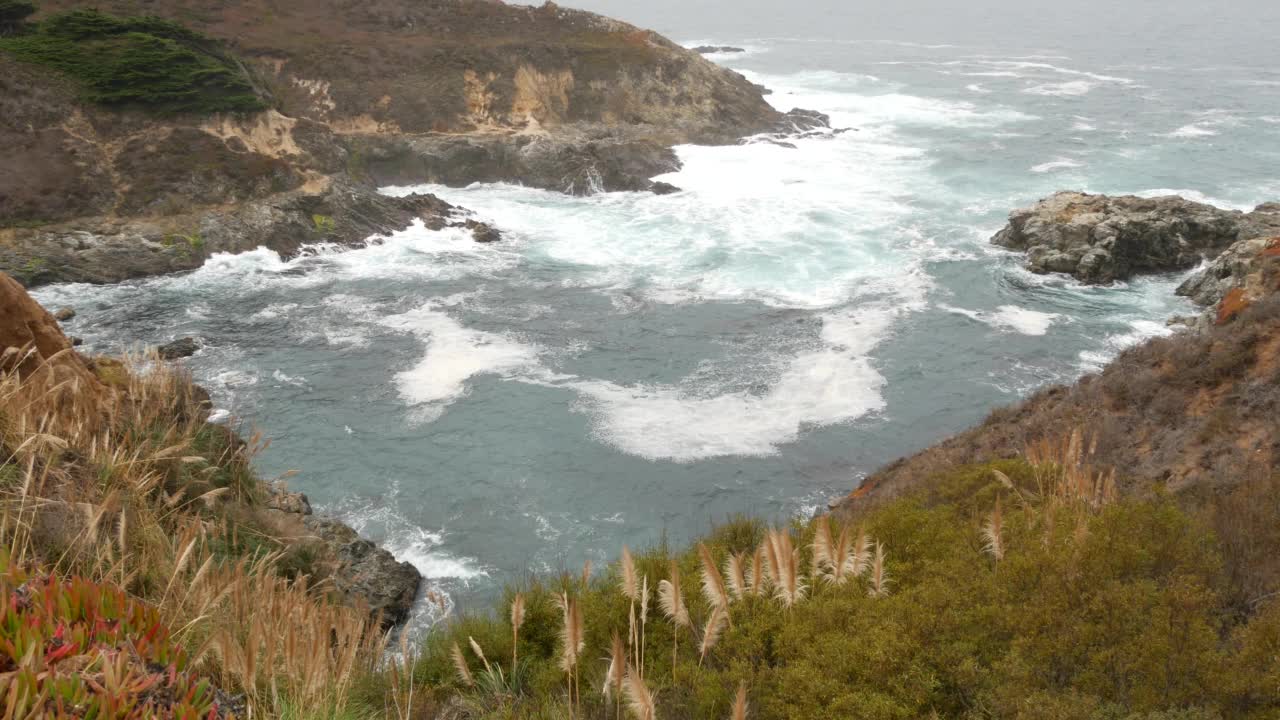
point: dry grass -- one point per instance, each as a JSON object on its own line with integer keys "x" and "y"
{"x": 121, "y": 481}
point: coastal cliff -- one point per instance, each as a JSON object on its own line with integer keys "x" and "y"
{"x": 108, "y": 185}
{"x": 1192, "y": 412}
{"x": 99, "y": 412}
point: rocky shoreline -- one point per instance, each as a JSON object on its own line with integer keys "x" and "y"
{"x": 1192, "y": 412}
{"x": 571, "y": 102}
{"x": 361, "y": 573}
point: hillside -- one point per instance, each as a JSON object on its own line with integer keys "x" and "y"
{"x": 465, "y": 65}
{"x": 137, "y": 146}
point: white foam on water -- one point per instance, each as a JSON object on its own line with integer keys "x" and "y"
{"x": 1194, "y": 196}
{"x": 833, "y": 383}
{"x": 1025, "y": 321}
{"x": 454, "y": 354}
{"x": 1139, "y": 331}
{"x": 976, "y": 88}
{"x": 279, "y": 376}
{"x": 1083, "y": 124}
{"x": 1073, "y": 88}
{"x": 1191, "y": 131}
{"x": 1057, "y": 164}
{"x": 1009, "y": 317}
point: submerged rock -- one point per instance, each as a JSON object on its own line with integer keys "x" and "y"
{"x": 180, "y": 348}
{"x": 1100, "y": 239}
{"x": 64, "y": 314}
{"x": 710, "y": 49}
{"x": 483, "y": 232}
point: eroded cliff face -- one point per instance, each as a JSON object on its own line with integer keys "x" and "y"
{"x": 1194, "y": 412}
{"x": 406, "y": 66}
{"x": 363, "y": 93}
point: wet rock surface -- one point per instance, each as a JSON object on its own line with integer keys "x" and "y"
{"x": 178, "y": 349}
{"x": 1100, "y": 239}
{"x": 361, "y": 572}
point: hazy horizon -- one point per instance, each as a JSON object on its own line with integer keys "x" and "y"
{"x": 1242, "y": 33}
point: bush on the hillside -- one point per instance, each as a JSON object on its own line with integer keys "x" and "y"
{"x": 1111, "y": 610}
{"x": 13, "y": 13}
{"x": 143, "y": 62}
{"x": 69, "y": 647}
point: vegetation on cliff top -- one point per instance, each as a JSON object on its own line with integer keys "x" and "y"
{"x": 145, "y": 62}
{"x": 139, "y": 573}
{"x": 1019, "y": 589}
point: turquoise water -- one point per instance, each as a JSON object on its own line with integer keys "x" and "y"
{"x": 626, "y": 366}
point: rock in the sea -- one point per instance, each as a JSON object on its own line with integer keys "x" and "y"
{"x": 483, "y": 232}
{"x": 367, "y": 573}
{"x": 1100, "y": 239}
{"x": 75, "y": 341}
{"x": 662, "y": 188}
{"x": 279, "y": 498}
{"x": 799, "y": 120}
{"x": 711, "y": 49}
{"x": 64, "y": 314}
{"x": 180, "y": 348}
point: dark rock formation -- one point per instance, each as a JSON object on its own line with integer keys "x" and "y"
{"x": 798, "y": 120}
{"x": 361, "y": 572}
{"x": 64, "y": 314}
{"x": 106, "y": 249}
{"x": 1100, "y": 239}
{"x": 662, "y": 188}
{"x": 578, "y": 161}
{"x": 178, "y": 349}
{"x": 710, "y": 49}
{"x": 367, "y": 573}
{"x": 1243, "y": 265}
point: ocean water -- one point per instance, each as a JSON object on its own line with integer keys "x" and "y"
{"x": 625, "y": 367}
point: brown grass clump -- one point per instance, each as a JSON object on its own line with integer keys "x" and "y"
{"x": 740, "y": 703}
{"x": 713, "y": 585}
{"x": 124, "y": 483}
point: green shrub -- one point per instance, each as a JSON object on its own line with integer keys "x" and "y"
{"x": 1110, "y": 611}
{"x": 13, "y": 13}
{"x": 325, "y": 224}
{"x": 143, "y": 62}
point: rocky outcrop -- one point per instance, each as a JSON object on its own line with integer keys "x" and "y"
{"x": 1247, "y": 266}
{"x": 361, "y": 572}
{"x": 1101, "y": 239}
{"x": 178, "y": 349}
{"x": 580, "y": 160}
{"x": 386, "y": 92}
{"x": 111, "y": 249}
{"x": 32, "y": 343}
{"x": 1192, "y": 412}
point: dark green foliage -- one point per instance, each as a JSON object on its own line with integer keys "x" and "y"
{"x": 139, "y": 61}
{"x": 13, "y": 12}
{"x": 1114, "y": 613}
